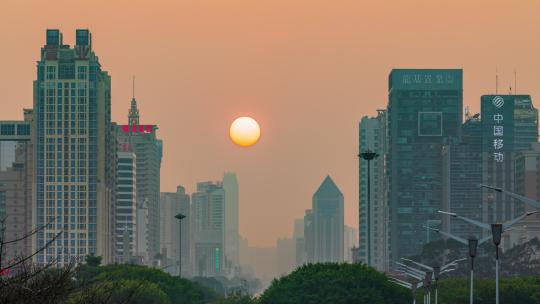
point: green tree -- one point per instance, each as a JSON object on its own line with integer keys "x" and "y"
{"x": 334, "y": 283}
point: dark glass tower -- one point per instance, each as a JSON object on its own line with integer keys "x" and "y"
{"x": 424, "y": 113}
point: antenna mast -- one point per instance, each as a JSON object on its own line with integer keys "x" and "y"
{"x": 496, "y": 81}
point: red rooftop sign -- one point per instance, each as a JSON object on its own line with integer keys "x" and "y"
{"x": 137, "y": 128}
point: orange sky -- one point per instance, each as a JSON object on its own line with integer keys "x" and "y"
{"x": 307, "y": 70}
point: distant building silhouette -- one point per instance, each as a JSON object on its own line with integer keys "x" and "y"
{"x": 328, "y": 223}
{"x": 230, "y": 185}
{"x": 208, "y": 209}
{"x": 172, "y": 203}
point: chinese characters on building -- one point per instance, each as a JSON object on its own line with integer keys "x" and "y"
{"x": 498, "y": 130}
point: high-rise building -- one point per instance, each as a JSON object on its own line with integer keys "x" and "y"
{"x": 424, "y": 112}
{"x": 309, "y": 235}
{"x": 171, "y": 204}
{"x": 528, "y": 185}
{"x": 126, "y": 206}
{"x": 373, "y": 138}
{"x": 16, "y": 187}
{"x": 286, "y": 256}
{"x": 350, "y": 241}
{"x": 208, "y": 215}
{"x": 462, "y": 174}
{"x": 328, "y": 223}
{"x": 142, "y": 233}
{"x": 299, "y": 242}
{"x": 509, "y": 126}
{"x": 149, "y": 151}
{"x": 230, "y": 185}
{"x": 74, "y": 149}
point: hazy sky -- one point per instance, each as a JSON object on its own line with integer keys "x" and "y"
{"x": 307, "y": 70}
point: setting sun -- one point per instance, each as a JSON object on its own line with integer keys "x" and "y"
{"x": 245, "y": 131}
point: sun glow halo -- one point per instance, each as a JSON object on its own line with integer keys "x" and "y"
{"x": 245, "y": 131}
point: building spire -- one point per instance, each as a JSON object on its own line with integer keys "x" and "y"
{"x": 133, "y": 117}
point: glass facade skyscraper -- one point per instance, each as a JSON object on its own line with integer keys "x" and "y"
{"x": 424, "y": 112}
{"x": 509, "y": 126}
{"x": 72, "y": 103}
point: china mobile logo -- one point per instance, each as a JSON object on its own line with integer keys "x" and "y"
{"x": 498, "y": 101}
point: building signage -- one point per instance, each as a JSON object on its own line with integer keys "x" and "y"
{"x": 498, "y": 129}
{"x": 137, "y": 128}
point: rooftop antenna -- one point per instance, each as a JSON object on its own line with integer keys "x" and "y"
{"x": 496, "y": 81}
{"x": 133, "y": 87}
{"x": 515, "y": 81}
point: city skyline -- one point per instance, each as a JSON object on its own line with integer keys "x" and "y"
{"x": 341, "y": 87}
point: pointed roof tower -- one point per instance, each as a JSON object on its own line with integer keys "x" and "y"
{"x": 328, "y": 188}
{"x": 133, "y": 116}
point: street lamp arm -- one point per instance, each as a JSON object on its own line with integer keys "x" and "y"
{"x": 400, "y": 281}
{"x": 468, "y": 220}
{"x": 517, "y": 219}
{"x": 521, "y": 198}
{"x": 454, "y": 237}
{"x": 413, "y": 275}
{"x": 419, "y": 264}
{"x": 453, "y": 263}
{"x": 485, "y": 239}
{"x": 411, "y": 268}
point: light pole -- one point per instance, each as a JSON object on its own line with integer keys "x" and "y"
{"x": 180, "y": 217}
{"x": 412, "y": 286}
{"x": 496, "y": 232}
{"x": 472, "y": 243}
{"x": 368, "y": 155}
{"x": 436, "y": 271}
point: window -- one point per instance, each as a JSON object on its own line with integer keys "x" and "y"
{"x": 430, "y": 123}
{"x": 51, "y": 72}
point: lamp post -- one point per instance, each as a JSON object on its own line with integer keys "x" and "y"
{"x": 368, "y": 155}
{"x": 496, "y": 232}
{"x": 472, "y": 243}
{"x": 435, "y": 270}
{"x": 180, "y": 217}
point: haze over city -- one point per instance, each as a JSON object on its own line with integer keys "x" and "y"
{"x": 307, "y": 71}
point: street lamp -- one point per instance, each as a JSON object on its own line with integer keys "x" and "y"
{"x": 412, "y": 286}
{"x": 496, "y": 233}
{"x": 472, "y": 243}
{"x": 368, "y": 155}
{"x": 180, "y": 217}
{"x": 436, "y": 271}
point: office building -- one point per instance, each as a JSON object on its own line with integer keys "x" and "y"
{"x": 149, "y": 151}
{"x": 509, "y": 126}
{"x": 16, "y": 187}
{"x": 230, "y": 185}
{"x": 208, "y": 209}
{"x": 126, "y": 205}
{"x": 373, "y": 138}
{"x": 462, "y": 174}
{"x": 328, "y": 223}
{"x": 74, "y": 148}
{"x": 424, "y": 113}
{"x": 171, "y": 204}
{"x": 528, "y": 184}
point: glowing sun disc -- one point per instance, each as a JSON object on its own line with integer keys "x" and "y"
{"x": 245, "y": 131}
